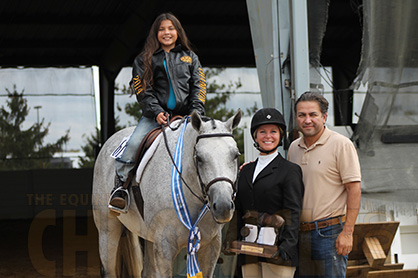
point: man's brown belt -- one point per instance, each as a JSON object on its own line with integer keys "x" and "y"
{"x": 305, "y": 227}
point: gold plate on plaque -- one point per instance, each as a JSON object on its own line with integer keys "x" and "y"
{"x": 252, "y": 249}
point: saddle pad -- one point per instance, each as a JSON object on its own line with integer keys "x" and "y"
{"x": 147, "y": 156}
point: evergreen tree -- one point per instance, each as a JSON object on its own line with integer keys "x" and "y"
{"x": 24, "y": 148}
{"x": 92, "y": 147}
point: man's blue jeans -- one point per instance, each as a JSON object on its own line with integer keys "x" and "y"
{"x": 126, "y": 162}
{"x": 317, "y": 253}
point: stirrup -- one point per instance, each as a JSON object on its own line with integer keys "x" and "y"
{"x": 127, "y": 200}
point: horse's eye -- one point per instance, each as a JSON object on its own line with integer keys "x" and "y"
{"x": 198, "y": 158}
{"x": 237, "y": 154}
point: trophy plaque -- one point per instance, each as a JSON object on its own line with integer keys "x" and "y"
{"x": 252, "y": 249}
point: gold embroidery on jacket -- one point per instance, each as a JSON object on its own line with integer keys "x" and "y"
{"x": 186, "y": 59}
{"x": 137, "y": 84}
{"x": 202, "y": 86}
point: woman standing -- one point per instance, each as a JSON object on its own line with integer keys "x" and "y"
{"x": 268, "y": 187}
{"x": 167, "y": 78}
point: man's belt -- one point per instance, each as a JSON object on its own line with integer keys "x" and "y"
{"x": 305, "y": 227}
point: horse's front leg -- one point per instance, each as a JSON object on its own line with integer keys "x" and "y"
{"x": 208, "y": 255}
{"x": 158, "y": 261}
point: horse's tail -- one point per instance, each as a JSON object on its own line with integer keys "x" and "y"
{"x": 130, "y": 256}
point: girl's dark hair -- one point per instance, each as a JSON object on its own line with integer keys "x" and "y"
{"x": 152, "y": 44}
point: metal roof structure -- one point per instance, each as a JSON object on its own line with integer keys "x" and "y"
{"x": 38, "y": 33}
{"x": 110, "y": 33}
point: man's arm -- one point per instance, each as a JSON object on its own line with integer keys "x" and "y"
{"x": 344, "y": 242}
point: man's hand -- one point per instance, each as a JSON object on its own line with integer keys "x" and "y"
{"x": 344, "y": 243}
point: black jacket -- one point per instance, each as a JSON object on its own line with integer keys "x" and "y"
{"x": 187, "y": 78}
{"x": 278, "y": 189}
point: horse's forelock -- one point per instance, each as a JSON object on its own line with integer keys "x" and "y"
{"x": 206, "y": 118}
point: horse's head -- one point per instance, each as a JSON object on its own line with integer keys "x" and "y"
{"x": 216, "y": 159}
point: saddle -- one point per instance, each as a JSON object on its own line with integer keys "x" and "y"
{"x": 143, "y": 147}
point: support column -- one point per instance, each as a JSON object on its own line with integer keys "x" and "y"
{"x": 107, "y": 103}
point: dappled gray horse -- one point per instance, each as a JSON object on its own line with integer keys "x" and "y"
{"x": 209, "y": 172}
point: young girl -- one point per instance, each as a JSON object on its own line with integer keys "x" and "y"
{"x": 167, "y": 78}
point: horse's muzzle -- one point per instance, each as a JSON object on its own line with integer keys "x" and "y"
{"x": 222, "y": 212}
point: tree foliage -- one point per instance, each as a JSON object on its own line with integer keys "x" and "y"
{"x": 24, "y": 148}
{"x": 92, "y": 147}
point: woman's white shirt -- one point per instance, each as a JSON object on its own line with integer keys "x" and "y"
{"x": 262, "y": 162}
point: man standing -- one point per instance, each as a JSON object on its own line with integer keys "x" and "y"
{"x": 331, "y": 174}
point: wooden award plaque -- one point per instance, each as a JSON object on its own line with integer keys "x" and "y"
{"x": 252, "y": 249}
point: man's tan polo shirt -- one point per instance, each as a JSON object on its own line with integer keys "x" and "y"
{"x": 327, "y": 165}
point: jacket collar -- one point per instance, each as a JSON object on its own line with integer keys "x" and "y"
{"x": 177, "y": 48}
{"x": 268, "y": 170}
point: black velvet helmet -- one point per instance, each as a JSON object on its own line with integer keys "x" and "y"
{"x": 268, "y": 116}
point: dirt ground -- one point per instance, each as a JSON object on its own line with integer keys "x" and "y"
{"x": 65, "y": 247}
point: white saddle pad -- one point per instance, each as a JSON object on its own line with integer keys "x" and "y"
{"x": 147, "y": 156}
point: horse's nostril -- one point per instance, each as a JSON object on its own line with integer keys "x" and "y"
{"x": 232, "y": 205}
{"x": 214, "y": 206}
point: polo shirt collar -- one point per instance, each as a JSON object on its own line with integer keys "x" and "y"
{"x": 321, "y": 141}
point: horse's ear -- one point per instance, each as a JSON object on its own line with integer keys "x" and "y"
{"x": 234, "y": 120}
{"x": 196, "y": 120}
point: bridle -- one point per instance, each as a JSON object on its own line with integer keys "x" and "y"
{"x": 204, "y": 187}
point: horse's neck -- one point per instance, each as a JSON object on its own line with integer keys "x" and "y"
{"x": 189, "y": 168}
{"x": 188, "y": 171}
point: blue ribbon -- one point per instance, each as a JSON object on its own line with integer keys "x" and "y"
{"x": 180, "y": 205}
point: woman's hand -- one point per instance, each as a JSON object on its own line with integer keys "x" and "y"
{"x": 161, "y": 118}
{"x": 245, "y": 163}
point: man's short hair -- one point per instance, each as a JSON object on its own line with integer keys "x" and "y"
{"x": 313, "y": 96}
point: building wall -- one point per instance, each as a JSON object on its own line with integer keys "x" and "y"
{"x": 25, "y": 194}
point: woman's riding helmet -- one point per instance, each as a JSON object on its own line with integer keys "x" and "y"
{"x": 268, "y": 116}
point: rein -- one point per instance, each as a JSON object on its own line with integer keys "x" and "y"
{"x": 172, "y": 158}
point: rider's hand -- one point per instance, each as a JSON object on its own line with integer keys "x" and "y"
{"x": 161, "y": 118}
